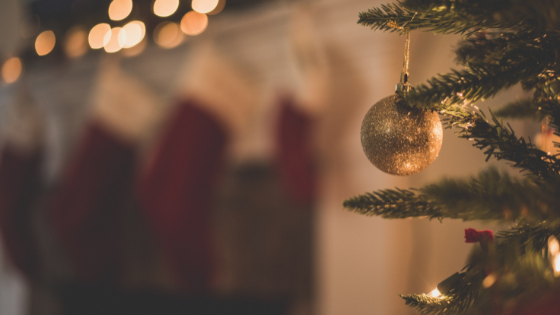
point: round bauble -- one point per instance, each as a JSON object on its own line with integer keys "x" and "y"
{"x": 400, "y": 140}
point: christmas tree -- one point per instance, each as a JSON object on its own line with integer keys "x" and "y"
{"x": 506, "y": 42}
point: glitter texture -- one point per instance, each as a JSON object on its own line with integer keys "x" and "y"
{"x": 399, "y": 140}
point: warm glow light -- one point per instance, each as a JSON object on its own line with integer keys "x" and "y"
{"x": 194, "y": 23}
{"x": 115, "y": 39}
{"x": 435, "y": 293}
{"x": 135, "y": 32}
{"x": 204, "y": 6}
{"x": 557, "y": 263}
{"x": 11, "y": 70}
{"x": 489, "y": 281}
{"x": 120, "y": 9}
{"x": 165, "y": 8}
{"x": 168, "y": 35}
{"x": 75, "y": 43}
{"x": 135, "y": 50}
{"x": 219, "y": 8}
{"x": 45, "y": 42}
{"x": 97, "y": 34}
{"x": 553, "y": 246}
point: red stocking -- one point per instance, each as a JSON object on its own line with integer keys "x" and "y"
{"x": 293, "y": 152}
{"x": 177, "y": 192}
{"x": 88, "y": 206}
{"x": 19, "y": 182}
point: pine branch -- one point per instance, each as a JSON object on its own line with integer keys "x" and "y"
{"x": 475, "y": 83}
{"x": 522, "y": 271}
{"x": 463, "y": 17}
{"x": 547, "y": 99}
{"x": 394, "y": 204}
{"x": 501, "y": 47}
{"x": 522, "y": 268}
{"x": 396, "y": 18}
{"x": 523, "y": 108}
{"x": 466, "y": 292}
{"x": 521, "y": 14}
{"x": 501, "y": 142}
{"x": 489, "y": 196}
{"x": 527, "y": 236}
{"x": 426, "y": 304}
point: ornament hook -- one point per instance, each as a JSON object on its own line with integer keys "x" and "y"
{"x": 403, "y": 86}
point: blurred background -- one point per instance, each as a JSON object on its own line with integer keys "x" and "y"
{"x": 192, "y": 156}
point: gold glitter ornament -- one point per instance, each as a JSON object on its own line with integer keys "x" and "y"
{"x": 400, "y": 140}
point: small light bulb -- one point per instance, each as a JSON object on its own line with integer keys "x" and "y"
{"x": 553, "y": 245}
{"x": 557, "y": 263}
{"x": 489, "y": 281}
{"x": 164, "y": 8}
{"x": 435, "y": 293}
{"x": 45, "y": 42}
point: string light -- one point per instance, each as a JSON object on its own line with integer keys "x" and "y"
{"x": 75, "y": 42}
{"x": 120, "y": 9}
{"x": 553, "y": 245}
{"x": 554, "y": 250}
{"x": 194, "y": 23}
{"x": 489, "y": 281}
{"x": 168, "y": 35}
{"x": 204, "y": 6}
{"x": 164, "y": 8}
{"x": 435, "y": 293}
{"x": 11, "y": 69}
{"x": 135, "y": 32}
{"x": 97, "y": 36}
{"x": 45, "y": 42}
{"x": 115, "y": 39}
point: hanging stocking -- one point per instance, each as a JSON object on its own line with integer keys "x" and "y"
{"x": 294, "y": 152}
{"x": 294, "y": 143}
{"x": 20, "y": 180}
{"x": 87, "y": 207}
{"x": 178, "y": 190}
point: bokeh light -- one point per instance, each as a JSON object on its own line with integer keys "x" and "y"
{"x": 75, "y": 42}
{"x": 221, "y": 5}
{"x": 435, "y": 293}
{"x": 115, "y": 40}
{"x": 553, "y": 246}
{"x": 135, "y": 32}
{"x": 204, "y": 6}
{"x": 45, "y": 42}
{"x": 489, "y": 281}
{"x": 11, "y": 69}
{"x": 168, "y": 35}
{"x": 194, "y": 23}
{"x": 165, "y": 8}
{"x": 120, "y": 9}
{"x": 97, "y": 34}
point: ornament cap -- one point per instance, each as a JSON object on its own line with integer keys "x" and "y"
{"x": 401, "y": 88}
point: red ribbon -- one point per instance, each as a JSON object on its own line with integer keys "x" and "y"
{"x": 473, "y": 236}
